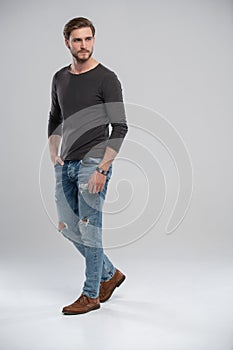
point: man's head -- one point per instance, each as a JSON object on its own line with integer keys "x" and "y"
{"x": 79, "y": 34}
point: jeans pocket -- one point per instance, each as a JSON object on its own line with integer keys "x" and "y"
{"x": 91, "y": 161}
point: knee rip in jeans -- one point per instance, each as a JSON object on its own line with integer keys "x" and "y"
{"x": 84, "y": 221}
{"x": 61, "y": 226}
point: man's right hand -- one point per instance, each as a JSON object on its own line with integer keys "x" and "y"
{"x": 54, "y": 143}
{"x": 57, "y": 160}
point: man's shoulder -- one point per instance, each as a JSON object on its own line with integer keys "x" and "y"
{"x": 61, "y": 72}
{"x": 109, "y": 77}
{"x": 106, "y": 71}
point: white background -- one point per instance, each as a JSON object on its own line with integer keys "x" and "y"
{"x": 174, "y": 57}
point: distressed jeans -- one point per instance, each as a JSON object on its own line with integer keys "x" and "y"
{"x": 80, "y": 212}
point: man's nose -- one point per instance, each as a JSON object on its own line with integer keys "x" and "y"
{"x": 83, "y": 44}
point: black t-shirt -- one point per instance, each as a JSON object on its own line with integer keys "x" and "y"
{"x": 82, "y": 107}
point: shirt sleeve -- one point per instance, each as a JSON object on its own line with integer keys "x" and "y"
{"x": 55, "y": 117}
{"x": 114, "y": 105}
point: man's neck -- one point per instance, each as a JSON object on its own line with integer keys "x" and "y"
{"x": 79, "y": 67}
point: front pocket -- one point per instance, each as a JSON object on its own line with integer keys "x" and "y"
{"x": 90, "y": 161}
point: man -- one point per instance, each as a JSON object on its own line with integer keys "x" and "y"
{"x": 86, "y": 98}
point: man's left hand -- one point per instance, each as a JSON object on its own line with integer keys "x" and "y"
{"x": 96, "y": 182}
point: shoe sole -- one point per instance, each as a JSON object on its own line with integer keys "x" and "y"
{"x": 79, "y": 313}
{"x": 117, "y": 285}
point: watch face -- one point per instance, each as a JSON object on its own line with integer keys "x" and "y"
{"x": 101, "y": 171}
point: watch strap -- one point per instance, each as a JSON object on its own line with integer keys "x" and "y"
{"x": 101, "y": 171}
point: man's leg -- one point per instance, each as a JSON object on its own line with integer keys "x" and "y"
{"x": 66, "y": 202}
{"x": 98, "y": 266}
{"x": 90, "y": 210}
{"x": 90, "y": 226}
{"x": 66, "y": 198}
{"x": 72, "y": 224}
{"x": 108, "y": 268}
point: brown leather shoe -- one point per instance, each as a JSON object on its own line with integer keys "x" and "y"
{"x": 108, "y": 287}
{"x": 82, "y": 305}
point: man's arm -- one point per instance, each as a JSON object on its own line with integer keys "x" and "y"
{"x": 115, "y": 110}
{"x": 54, "y": 144}
{"x": 108, "y": 158}
{"x": 54, "y": 125}
{"x": 97, "y": 181}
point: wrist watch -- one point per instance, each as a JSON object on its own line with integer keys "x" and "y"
{"x": 101, "y": 171}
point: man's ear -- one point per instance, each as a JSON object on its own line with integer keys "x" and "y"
{"x": 67, "y": 43}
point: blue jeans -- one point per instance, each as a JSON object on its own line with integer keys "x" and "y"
{"x": 81, "y": 213}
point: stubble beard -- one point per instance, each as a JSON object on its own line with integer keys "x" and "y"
{"x": 82, "y": 60}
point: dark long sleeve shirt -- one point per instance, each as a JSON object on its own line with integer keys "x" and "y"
{"x": 82, "y": 108}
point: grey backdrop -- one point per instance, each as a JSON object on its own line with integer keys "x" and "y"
{"x": 174, "y": 57}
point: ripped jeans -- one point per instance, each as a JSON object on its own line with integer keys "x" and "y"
{"x": 80, "y": 216}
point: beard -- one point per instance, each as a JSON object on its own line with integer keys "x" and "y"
{"x": 81, "y": 58}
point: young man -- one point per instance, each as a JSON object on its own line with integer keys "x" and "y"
{"x": 86, "y": 98}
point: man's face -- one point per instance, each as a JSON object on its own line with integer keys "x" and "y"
{"x": 81, "y": 44}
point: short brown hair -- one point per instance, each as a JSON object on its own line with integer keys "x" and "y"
{"x": 75, "y": 23}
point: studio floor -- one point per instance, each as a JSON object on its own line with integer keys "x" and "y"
{"x": 163, "y": 305}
